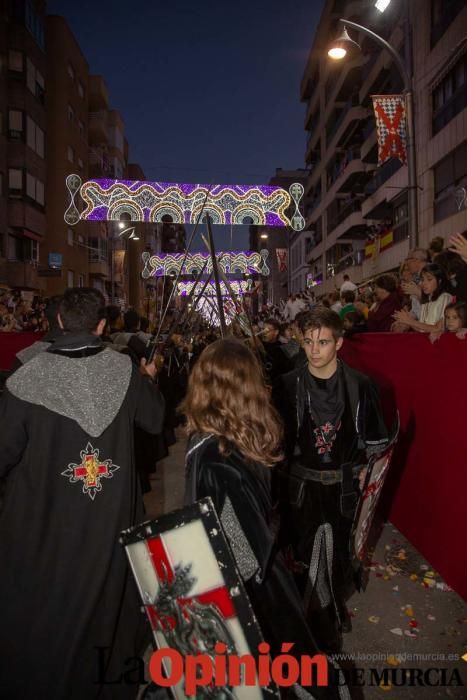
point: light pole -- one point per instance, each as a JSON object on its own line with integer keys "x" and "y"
{"x": 337, "y": 51}
{"x": 133, "y": 237}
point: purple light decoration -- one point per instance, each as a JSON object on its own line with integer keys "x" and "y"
{"x": 146, "y": 201}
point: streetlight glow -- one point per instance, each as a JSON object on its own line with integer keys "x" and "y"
{"x": 337, "y": 53}
{"x": 342, "y": 46}
{"x": 121, "y": 224}
{"x": 264, "y": 236}
{"x": 382, "y": 5}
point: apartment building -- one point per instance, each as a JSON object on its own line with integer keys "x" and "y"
{"x": 65, "y": 261}
{"x": 356, "y": 211}
{"x": 22, "y": 142}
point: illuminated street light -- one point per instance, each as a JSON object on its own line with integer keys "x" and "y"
{"x": 382, "y": 5}
{"x": 264, "y": 236}
{"x": 343, "y": 45}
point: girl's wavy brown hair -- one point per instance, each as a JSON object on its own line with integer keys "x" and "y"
{"x": 227, "y": 397}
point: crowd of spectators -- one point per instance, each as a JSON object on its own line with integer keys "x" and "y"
{"x": 20, "y": 314}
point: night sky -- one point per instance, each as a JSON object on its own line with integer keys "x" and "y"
{"x": 208, "y": 90}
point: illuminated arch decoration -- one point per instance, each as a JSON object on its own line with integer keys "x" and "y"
{"x": 145, "y": 201}
{"x": 237, "y": 286}
{"x": 232, "y": 262}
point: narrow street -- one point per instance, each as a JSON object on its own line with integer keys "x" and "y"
{"x": 407, "y": 618}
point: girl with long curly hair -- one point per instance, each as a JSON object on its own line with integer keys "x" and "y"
{"x": 234, "y": 439}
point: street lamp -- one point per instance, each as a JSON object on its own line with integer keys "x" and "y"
{"x": 339, "y": 49}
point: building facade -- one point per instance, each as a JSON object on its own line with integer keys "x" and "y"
{"x": 358, "y": 212}
{"x": 22, "y": 142}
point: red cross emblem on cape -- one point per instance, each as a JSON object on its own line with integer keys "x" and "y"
{"x": 90, "y": 471}
{"x": 390, "y": 127}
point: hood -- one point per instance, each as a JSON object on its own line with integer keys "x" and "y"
{"x": 88, "y": 390}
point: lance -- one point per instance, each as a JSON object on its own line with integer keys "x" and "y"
{"x": 161, "y": 322}
{"x": 215, "y": 269}
{"x": 237, "y": 303}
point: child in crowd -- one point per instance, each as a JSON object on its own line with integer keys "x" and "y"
{"x": 455, "y": 319}
{"x": 434, "y": 300}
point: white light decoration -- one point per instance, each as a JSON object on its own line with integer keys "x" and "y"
{"x": 230, "y": 262}
{"x": 237, "y": 286}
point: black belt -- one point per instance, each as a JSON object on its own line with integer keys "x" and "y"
{"x": 328, "y": 477}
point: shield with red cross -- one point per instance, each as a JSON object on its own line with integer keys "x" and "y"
{"x": 192, "y": 592}
{"x": 375, "y": 477}
{"x": 90, "y": 471}
{"x": 391, "y": 127}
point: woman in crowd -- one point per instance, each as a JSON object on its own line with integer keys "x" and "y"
{"x": 380, "y": 317}
{"x": 434, "y": 300}
{"x": 235, "y": 439}
{"x": 456, "y": 271}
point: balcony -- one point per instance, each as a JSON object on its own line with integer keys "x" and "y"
{"x": 380, "y": 175}
{"x": 22, "y": 273}
{"x": 337, "y": 217}
{"x": 99, "y": 268}
{"x": 98, "y": 127}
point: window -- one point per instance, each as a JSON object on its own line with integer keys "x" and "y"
{"x": 15, "y": 181}
{"x": 81, "y": 281}
{"x": 80, "y": 89}
{"x": 35, "y": 189}
{"x": 443, "y": 13}
{"x": 449, "y": 174}
{"x": 70, "y": 236}
{"x": 35, "y": 137}
{"x": 70, "y": 154}
{"x": 81, "y": 128}
{"x": 35, "y": 81}
{"x": 70, "y": 278}
{"x": 71, "y": 114}
{"x": 15, "y": 61}
{"x": 80, "y": 164}
{"x": 80, "y": 239}
{"x": 20, "y": 248}
{"x": 450, "y": 96}
{"x": 15, "y": 125}
{"x": 71, "y": 71}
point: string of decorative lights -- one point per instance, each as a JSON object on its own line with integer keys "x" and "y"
{"x": 242, "y": 262}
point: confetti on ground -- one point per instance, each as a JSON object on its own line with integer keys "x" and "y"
{"x": 431, "y": 617}
{"x": 429, "y": 583}
{"x": 444, "y": 587}
{"x": 385, "y": 686}
{"x": 430, "y": 574}
{"x": 409, "y": 633}
{"x": 413, "y": 623}
{"x": 413, "y": 577}
{"x": 395, "y": 588}
{"x": 397, "y": 630}
{"x": 408, "y": 610}
{"x": 374, "y": 618}
{"x": 393, "y": 660}
{"x": 424, "y": 567}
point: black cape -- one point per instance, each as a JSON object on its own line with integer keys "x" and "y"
{"x": 240, "y": 491}
{"x": 66, "y": 446}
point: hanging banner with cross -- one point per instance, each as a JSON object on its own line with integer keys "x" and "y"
{"x": 390, "y": 127}
{"x": 282, "y": 259}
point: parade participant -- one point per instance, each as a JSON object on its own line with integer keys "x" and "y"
{"x": 275, "y": 360}
{"x": 235, "y": 439}
{"x": 333, "y": 420}
{"x": 66, "y": 448}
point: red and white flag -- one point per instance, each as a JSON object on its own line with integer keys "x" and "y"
{"x": 390, "y": 127}
{"x": 282, "y": 259}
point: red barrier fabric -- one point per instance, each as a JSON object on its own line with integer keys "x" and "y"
{"x": 11, "y": 343}
{"x": 425, "y": 492}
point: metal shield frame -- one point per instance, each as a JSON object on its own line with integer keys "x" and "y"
{"x": 376, "y": 475}
{"x": 185, "y": 573}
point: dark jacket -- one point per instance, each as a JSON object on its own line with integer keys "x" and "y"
{"x": 381, "y": 319}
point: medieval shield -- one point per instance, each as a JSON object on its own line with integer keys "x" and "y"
{"x": 193, "y": 595}
{"x": 376, "y": 474}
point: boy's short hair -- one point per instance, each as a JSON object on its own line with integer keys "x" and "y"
{"x": 322, "y": 317}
